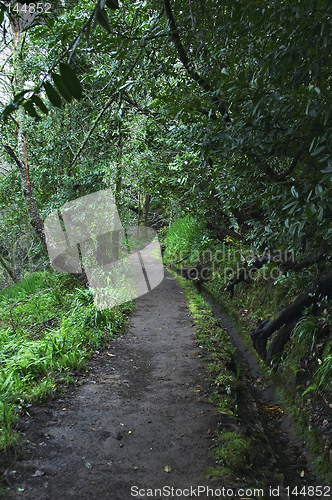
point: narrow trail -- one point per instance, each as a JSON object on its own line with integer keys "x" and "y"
{"x": 137, "y": 412}
{"x": 139, "y": 418}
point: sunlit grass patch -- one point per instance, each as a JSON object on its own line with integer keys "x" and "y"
{"x": 33, "y": 283}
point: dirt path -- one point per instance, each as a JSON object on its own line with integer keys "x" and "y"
{"x": 136, "y": 413}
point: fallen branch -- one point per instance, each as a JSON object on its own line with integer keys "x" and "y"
{"x": 178, "y": 262}
{"x": 241, "y": 273}
{"x": 32, "y": 295}
{"x": 44, "y": 325}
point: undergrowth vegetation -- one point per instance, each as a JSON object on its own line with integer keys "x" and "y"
{"x": 239, "y": 440}
{"x": 220, "y": 360}
{"x": 48, "y": 328}
{"x": 302, "y": 372}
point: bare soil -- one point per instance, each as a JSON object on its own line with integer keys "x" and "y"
{"x": 139, "y": 411}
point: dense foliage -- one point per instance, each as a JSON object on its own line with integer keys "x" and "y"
{"x": 222, "y": 108}
{"x": 213, "y": 114}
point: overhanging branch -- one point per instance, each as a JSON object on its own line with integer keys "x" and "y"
{"x": 292, "y": 166}
{"x": 189, "y": 66}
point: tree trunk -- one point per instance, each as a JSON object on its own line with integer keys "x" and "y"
{"x": 21, "y": 157}
{"x": 118, "y": 187}
{"x": 146, "y": 208}
{"x": 7, "y": 268}
{"x": 34, "y": 215}
{"x": 289, "y": 315}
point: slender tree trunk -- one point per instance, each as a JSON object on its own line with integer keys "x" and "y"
{"x": 21, "y": 157}
{"x": 145, "y": 213}
{"x": 118, "y": 187}
{"x": 118, "y": 178}
{"x": 140, "y": 213}
{"x": 146, "y": 208}
{"x": 34, "y": 215}
{"x": 8, "y": 269}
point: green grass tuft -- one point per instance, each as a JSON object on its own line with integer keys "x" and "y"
{"x": 44, "y": 338}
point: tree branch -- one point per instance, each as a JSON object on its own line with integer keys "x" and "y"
{"x": 95, "y": 123}
{"x": 264, "y": 330}
{"x": 187, "y": 63}
{"x": 34, "y": 215}
{"x": 109, "y": 102}
{"x": 292, "y": 166}
{"x": 134, "y": 104}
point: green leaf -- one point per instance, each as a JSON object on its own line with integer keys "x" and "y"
{"x": 19, "y": 97}
{"x": 112, "y": 4}
{"x": 127, "y": 86}
{"x": 102, "y": 19}
{"x": 37, "y": 100}
{"x": 294, "y": 192}
{"x": 291, "y": 204}
{"x": 71, "y": 81}
{"x": 52, "y": 94}
{"x": 29, "y": 107}
{"x": 8, "y": 110}
{"x": 301, "y": 226}
{"x": 312, "y": 144}
{"x": 322, "y": 204}
{"x": 308, "y": 106}
{"x": 323, "y": 158}
{"x": 312, "y": 387}
{"x": 62, "y": 88}
{"x": 318, "y": 150}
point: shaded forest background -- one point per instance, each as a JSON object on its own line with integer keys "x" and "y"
{"x": 211, "y": 121}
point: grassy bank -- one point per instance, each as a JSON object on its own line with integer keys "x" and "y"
{"x": 241, "y": 450}
{"x": 48, "y": 328}
{"x": 295, "y": 376}
{"x": 302, "y": 373}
